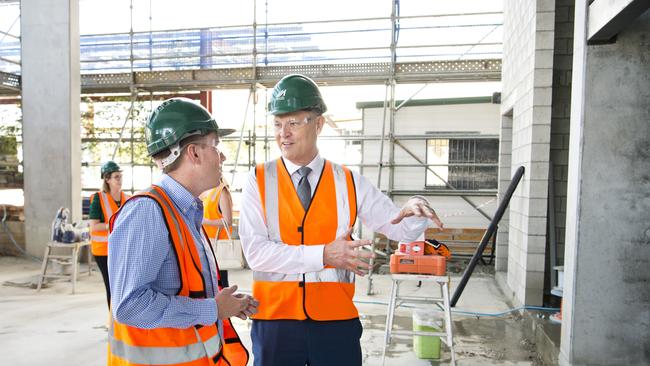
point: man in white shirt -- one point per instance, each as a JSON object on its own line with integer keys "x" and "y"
{"x": 296, "y": 221}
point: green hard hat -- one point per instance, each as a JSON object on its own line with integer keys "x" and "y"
{"x": 175, "y": 119}
{"x": 110, "y": 167}
{"x": 296, "y": 93}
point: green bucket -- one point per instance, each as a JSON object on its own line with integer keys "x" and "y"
{"x": 426, "y": 346}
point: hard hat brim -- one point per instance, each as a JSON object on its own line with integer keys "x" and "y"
{"x": 225, "y": 131}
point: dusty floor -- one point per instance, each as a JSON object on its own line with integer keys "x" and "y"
{"x": 56, "y": 328}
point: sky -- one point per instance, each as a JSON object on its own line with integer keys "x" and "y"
{"x": 101, "y": 16}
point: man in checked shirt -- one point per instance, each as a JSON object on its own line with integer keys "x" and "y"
{"x": 168, "y": 304}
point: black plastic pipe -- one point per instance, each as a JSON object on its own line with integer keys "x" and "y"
{"x": 488, "y": 234}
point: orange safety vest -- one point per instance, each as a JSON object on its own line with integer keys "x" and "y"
{"x": 211, "y": 212}
{"x": 323, "y": 295}
{"x": 99, "y": 238}
{"x": 195, "y": 346}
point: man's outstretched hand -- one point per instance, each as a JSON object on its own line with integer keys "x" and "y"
{"x": 347, "y": 254}
{"x": 418, "y": 207}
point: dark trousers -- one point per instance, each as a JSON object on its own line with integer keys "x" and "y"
{"x": 102, "y": 263}
{"x": 306, "y": 342}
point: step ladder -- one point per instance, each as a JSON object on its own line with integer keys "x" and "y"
{"x": 442, "y": 302}
{"x": 64, "y": 259}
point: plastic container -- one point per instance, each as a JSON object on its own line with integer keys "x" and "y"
{"x": 421, "y": 264}
{"x": 426, "y": 321}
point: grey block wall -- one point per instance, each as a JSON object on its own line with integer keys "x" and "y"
{"x": 51, "y": 126}
{"x": 527, "y": 92}
{"x": 607, "y": 259}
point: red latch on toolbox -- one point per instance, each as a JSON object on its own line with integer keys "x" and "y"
{"x": 413, "y": 248}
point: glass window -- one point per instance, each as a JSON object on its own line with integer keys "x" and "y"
{"x": 465, "y": 163}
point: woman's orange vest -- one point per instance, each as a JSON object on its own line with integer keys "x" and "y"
{"x": 211, "y": 212}
{"x": 99, "y": 238}
{"x": 323, "y": 295}
{"x": 194, "y": 346}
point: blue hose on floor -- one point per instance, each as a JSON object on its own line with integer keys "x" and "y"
{"x": 468, "y": 312}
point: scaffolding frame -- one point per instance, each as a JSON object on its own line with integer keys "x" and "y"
{"x": 464, "y": 66}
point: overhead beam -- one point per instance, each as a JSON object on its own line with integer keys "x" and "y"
{"x": 241, "y": 78}
{"x": 329, "y": 74}
{"x": 608, "y": 17}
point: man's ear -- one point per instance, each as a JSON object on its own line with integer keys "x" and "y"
{"x": 320, "y": 121}
{"x": 192, "y": 153}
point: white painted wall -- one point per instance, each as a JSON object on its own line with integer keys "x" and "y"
{"x": 480, "y": 118}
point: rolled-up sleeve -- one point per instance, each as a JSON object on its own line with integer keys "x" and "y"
{"x": 144, "y": 275}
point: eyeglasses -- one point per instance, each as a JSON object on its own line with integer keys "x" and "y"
{"x": 212, "y": 145}
{"x": 291, "y": 125}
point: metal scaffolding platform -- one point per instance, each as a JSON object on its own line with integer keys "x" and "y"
{"x": 243, "y": 77}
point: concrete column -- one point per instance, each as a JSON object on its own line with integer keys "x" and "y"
{"x": 606, "y": 294}
{"x": 51, "y": 121}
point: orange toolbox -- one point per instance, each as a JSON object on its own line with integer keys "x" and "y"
{"x": 421, "y": 264}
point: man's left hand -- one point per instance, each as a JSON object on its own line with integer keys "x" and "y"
{"x": 418, "y": 207}
{"x": 251, "y": 308}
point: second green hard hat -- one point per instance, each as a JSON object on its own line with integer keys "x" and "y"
{"x": 175, "y": 119}
{"x": 110, "y": 167}
{"x": 296, "y": 93}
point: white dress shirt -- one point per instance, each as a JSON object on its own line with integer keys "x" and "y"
{"x": 374, "y": 209}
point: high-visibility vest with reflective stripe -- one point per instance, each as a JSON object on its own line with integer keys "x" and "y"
{"x": 194, "y": 346}
{"x": 99, "y": 238}
{"x": 211, "y": 212}
{"x": 323, "y": 295}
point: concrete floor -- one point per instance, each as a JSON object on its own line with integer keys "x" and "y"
{"x": 56, "y": 328}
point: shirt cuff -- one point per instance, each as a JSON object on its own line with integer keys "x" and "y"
{"x": 416, "y": 226}
{"x": 207, "y": 311}
{"x": 313, "y": 258}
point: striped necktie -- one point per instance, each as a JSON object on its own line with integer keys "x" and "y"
{"x": 303, "y": 188}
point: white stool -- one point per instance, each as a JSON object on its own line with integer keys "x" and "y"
{"x": 396, "y": 300}
{"x": 72, "y": 259}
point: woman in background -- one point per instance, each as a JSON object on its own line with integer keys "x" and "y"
{"x": 103, "y": 205}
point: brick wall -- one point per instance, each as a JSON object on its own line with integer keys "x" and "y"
{"x": 527, "y": 77}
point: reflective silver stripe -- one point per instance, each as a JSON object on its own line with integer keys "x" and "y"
{"x": 97, "y": 238}
{"x": 107, "y": 206}
{"x": 342, "y": 204}
{"x": 276, "y": 277}
{"x": 324, "y": 275}
{"x": 165, "y": 355}
{"x": 212, "y": 345}
{"x": 271, "y": 200}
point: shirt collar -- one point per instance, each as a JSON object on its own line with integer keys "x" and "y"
{"x": 181, "y": 197}
{"x": 316, "y": 165}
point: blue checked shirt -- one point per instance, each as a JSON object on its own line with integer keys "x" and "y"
{"x": 143, "y": 269}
